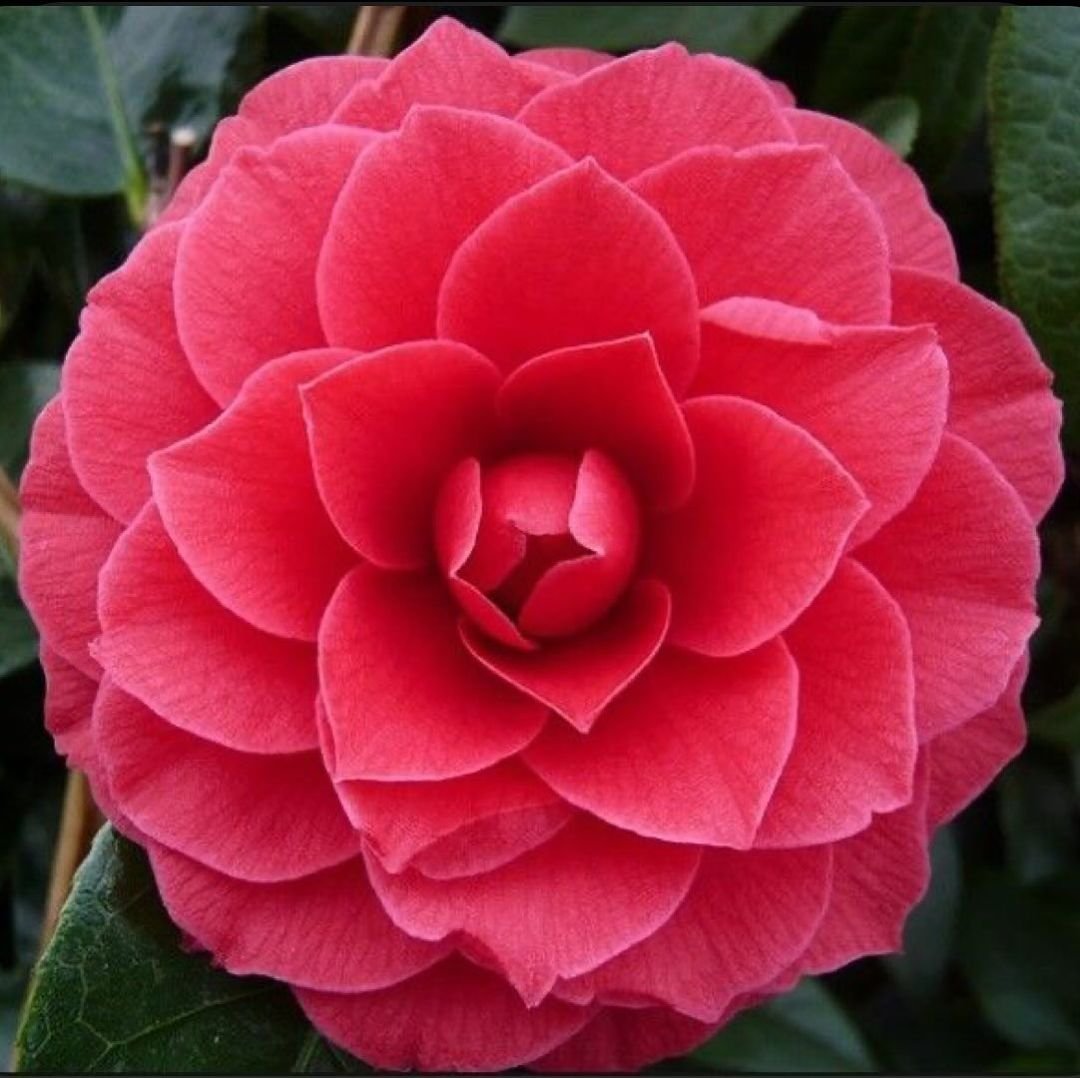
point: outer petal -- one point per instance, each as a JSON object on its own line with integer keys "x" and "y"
{"x": 128, "y": 387}
{"x": 575, "y": 259}
{"x": 782, "y": 222}
{"x": 964, "y": 761}
{"x": 385, "y": 430}
{"x": 961, "y": 561}
{"x": 917, "y": 236}
{"x": 562, "y": 400}
{"x": 166, "y": 641}
{"x": 65, "y": 541}
{"x": 258, "y": 818}
{"x": 405, "y": 210}
{"x": 326, "y": 931}
{"x": 689, "y": 753}
{"x": 856, "y": 744}
{"x": 643, "y": 109}
{"x": 563, "y": 908}
{"x": 747, "y": 917}
{"x": 455, "y": 1017}
{"x": 245, "y": 272}
{"x": 762, "y": 533}
{"x": 876, "y": 397}
{"x": 69, "y": 700}
{"x": 1000, "y": 397}
{"x": 404, "y": 700}
{"x": 448, "y": 65}
{"x": 248, "y": 476}
{"x": 572, "y": 60}
{"x": 581, "y": 675}
{"x": 878, "y": 876}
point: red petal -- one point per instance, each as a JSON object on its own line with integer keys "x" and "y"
{"x": 965, "y": 760}
{"x": 643, "y": 109}
{"x": 767, "y": 523}
{"x": 248, "y": 477}
{"x": 575, "y": 61}
{"x": 575, "y": 259}
{"x": 404, "y": 698}
{"x": 448, "y": 65}
{"x": 454, "y": 1017}
{"x": 1000, "y": 397}
{"x": 405, "y": 210}
{"x": 562, "y": 400}
{"x": 69, "y": 702}
{"x": 561, "y": 909}
{"x": 258, "y": 818}
{"x": 855, "y": 745}
{"x": 384, "y": 432}
{"x": 875, "y": 397}
{"x": 128, "y": 387}
{"x": 326, "y": 931}
{"x": 689, "y": 753}
{"x": 579, "y": 677}
{"x": 65, "y": 539}
{"x": 165, "y": 640}
{"x": 961, "y": 561}
{"x": 747, "y": 917}
{"x": 917, "y": 236}
{"x": 245, "y": 273}
{"x": 781, "y": 222}
{"x": 878, "y": 876}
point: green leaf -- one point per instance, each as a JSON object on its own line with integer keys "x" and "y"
{"x": 326, "y": 24}
{"x": 18, "y": 637}
{"x": 1037, "y": 818}
{"x": 115, "y": 991}
{"x": 1035, "y": 143}
{"x": 743, "y": 31}
{"x": 1019, "y": 955}
{"x": 1058, "y": 724}
{"x": 25, "y": 388}
{"x": 895, "y": 120}
{"x": 804, "y": 1031}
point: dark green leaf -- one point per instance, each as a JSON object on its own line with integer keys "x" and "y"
{"x": 1035, "y": 139}
{"x": 18, "y": 637}
{"x": 745, "y": 32}
{"x": 24, "y": 390}
{"x": 115, "y": 991}
{"x": 1058, "y": 724}
{"x": 1038, "y": 819}
{"x": 894, "y": 120}
{"x": 804, "y": 1031}
{"x": 326, "y": 24}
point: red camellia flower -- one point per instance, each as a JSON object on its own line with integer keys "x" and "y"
{"x": 533, "y": 547}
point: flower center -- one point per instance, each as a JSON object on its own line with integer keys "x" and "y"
{"x": 538, "y": 545}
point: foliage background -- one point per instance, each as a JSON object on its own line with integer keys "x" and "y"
{"x": 985, "y": 103}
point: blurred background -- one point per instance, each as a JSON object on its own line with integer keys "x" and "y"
{"x": 100, "y": 108}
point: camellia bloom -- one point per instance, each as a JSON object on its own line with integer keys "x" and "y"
{"x": 533, "y": 547}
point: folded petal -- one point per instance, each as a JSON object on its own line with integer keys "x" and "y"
{"x": 406, "y": 208}
{"x": 326, "y": 931}
{"x": 963, "y": 761}
{"x": 770, "y": 515}
{"x": 1000, "y": 397}
{"x": 747, "y": 917}
{"x": 404, "y": 699}
{"x": 245, "y": 271}
{"x": 635, "y": 112}
{"x": 855, "y": 744}
{"x": 453, "y": 1017}
{"x": 961, "y": 561}
{"x": 385, "y": 430}
{"x": 562, "y": 400}
{"x": 448, "y": 65}
{"x": 557, "y": 911}
{"x": 574, "y": 259}
{"x": 579, "y": 677}
{"x": 257, "y": 818}
{"x": 574, "y": 61}
{"x": 128, "y": 387}
{"x": 239, "y": 501}
{"x": 65, "y": 539}
{"x": 165, "y": 640}
{"x": 917, "y": 236}
{"x": 69, "y": 702}
{"x": 781, "y": 222}
{"x": 875, "y": 397}
{"x": 689, "y": 753}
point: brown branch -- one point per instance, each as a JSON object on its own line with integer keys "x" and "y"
{"x": 9, "y": 516}
{"x": 377, "y": 30}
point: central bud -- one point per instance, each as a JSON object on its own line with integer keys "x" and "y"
{"x": 538, "y": 545}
